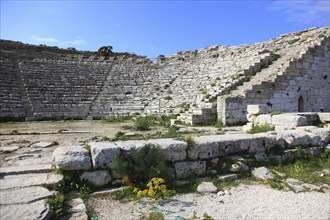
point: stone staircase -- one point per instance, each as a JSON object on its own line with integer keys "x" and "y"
{"x": 204, "y": 111}
{"x": 268, "y": 76}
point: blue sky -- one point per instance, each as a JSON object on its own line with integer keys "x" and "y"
{"x": 156, "y": 27}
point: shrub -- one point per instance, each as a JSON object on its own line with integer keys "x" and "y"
{"x": 190, "y": 141}
{"x": 219, "y": 124}
{"x": 142, "y": 165}
{"x": 260, "y": 128}
{"x": 156, "y": 189}
{"x": 142, "y": 124}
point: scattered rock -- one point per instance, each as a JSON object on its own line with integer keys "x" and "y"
{"x": 44, "y": 144}
{"x": 72, "y": 158}
{"x": 262, "y": 173}
{"x": 228, "y": 177}
{"x": 8, "y": 149}
{"x": 221, "y": 193}
{"x": 206, "y": 187}
{"x": 97, "y": 178}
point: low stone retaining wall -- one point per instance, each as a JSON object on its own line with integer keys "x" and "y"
{"x": 209, "y": 155}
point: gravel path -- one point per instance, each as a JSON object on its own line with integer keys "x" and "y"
{"x": 244, "y": 202}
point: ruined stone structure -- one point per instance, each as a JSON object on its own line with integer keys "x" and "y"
{"x": 289, "y": 74}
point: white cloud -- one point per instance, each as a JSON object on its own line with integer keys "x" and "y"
{"x": 303, "y": 11}
{"x": 44, "y": 39}
{"x": 54, "y": 41}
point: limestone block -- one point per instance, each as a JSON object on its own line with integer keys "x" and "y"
{"x": 173, "y": 150}
{"x": 104, "y": 154}
{"x": 295, "y": 138}
{"x": 205, "y": 147}
{"x": 97, "y": 178}
{"x": 72, "y": 158}
{"x": 323, "y": 133}
{"x": 206, "y": 187}
{"x": 247, "y": 127}
{"x": 289, "y": 120}
{"x": 261, "y": 157}
{"x": 289, "y": 155}
{"x": 186, "y": 168}
{"x": 261, "y": 142}
{"x": 257, "y": 109}
{"x": 131, "y": 146}
{"x": 262, "y": 173}
{"x": 264, "y": 119}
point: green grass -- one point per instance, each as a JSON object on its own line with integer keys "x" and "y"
{"x": 260, "y": 128}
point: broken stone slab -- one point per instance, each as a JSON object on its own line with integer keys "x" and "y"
{"x": 228, "y": 177}
{"x": 24, "y": 195}
{"x": 187, "y": 168}
{"x": 172, "y": 149}
{"x": 207, "y": 147}
{"x": 262, "y": 173}
{"x": 289, "y": 120}
{"x": 26, "y": 180}
{"x": 97, "y": 178}
{"x": 38, "y": 210}
{"x": 206, "y": 187}
{"x": 41, "y": 168}
{"x": 301, "y": 138}
{"x": 264, "y": 119}
{"x": 72, "y": 158}
{"x": 8, "y": 149}
{"x": 104, "y": 154}
{"x": 323, "y": 133}
{"x": 43, "y": 144}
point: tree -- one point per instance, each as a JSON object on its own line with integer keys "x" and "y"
{"x": 105, "y": 50}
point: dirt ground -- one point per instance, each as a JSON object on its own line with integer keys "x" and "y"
{"x": 64, "y": 133}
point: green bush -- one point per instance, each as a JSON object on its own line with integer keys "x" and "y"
{"x": 142, "y": 124}
{"x": 142, "y": 165}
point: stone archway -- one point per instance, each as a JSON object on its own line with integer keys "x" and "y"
{"x": 301, "y": 104}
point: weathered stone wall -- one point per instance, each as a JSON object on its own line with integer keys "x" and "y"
{"x": 300, "y": 83}
{"x": 210, "y": 155}
{"x": 42, "y": 82}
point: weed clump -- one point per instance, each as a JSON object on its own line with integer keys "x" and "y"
{"x": 142, "y": 165}
{"x": 142, "y": 124}
{"x": 260, "y": 128}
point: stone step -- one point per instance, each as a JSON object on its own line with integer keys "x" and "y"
{"x": 24, "y": 195}
{"x": 42, "y": 168}
{"x": 36, "y": 210}
{"x": 27, "y": 180}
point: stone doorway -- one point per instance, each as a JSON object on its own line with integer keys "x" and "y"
{"x": 301, "y": 104}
